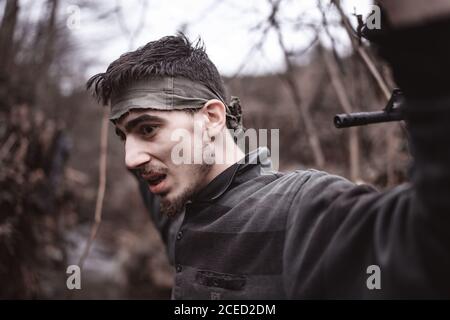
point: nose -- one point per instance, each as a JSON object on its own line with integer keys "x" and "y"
{"x": 136, "y": 154}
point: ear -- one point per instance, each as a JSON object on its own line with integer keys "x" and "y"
{"x": 215, "y": 113}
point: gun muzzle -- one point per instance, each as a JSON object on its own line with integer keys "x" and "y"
{"x": 345, "y": 120}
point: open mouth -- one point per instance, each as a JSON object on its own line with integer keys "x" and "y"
{"x": 155, "y": 179}
{"x": 156, "y": 182}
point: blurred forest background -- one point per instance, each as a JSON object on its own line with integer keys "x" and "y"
{"x": 50, "y": 132}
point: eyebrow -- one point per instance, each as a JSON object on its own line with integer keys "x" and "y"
{"x": 144, "y": 118}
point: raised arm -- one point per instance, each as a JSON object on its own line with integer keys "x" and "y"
{"x": 341, "y": 234}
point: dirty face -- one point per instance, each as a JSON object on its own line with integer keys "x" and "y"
{"x": 149, "y": 141}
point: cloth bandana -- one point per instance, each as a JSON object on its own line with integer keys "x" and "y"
{"x": 170, "y": 93}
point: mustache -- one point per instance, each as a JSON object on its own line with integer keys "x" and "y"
{"x": 150, "y": 169}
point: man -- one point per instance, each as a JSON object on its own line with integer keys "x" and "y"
{"x": 235, "y": 231}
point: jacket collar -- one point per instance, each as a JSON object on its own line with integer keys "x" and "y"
{"x": 252, "y": 165}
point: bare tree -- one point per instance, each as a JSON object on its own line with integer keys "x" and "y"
{"x": 7, "y": 29}
{"x": 291, "y": 82}
{"x": 344, "y": 101}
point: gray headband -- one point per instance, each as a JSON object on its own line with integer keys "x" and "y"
{"x": 166, "y": 93}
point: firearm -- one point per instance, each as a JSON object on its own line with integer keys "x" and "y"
{"x": 392, "y": 112}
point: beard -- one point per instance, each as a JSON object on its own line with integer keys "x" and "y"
{"x": 171, "y": 207}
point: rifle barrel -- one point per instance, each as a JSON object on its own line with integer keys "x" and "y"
{"x": 345, "y": 120}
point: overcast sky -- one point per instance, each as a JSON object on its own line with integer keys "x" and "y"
{"x": 227, "y": 28}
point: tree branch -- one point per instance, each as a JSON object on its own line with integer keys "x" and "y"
{"x": 101, "y": 187}
{"x": 361, "y": 52}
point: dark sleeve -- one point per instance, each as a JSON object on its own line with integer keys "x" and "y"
{"x": 336, "y": 230}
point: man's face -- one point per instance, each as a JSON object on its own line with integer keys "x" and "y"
{"x": 149, "y": 144}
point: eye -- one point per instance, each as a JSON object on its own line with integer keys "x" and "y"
{"x": 146, "y": 130}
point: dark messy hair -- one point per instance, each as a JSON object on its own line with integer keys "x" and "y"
{"x": 173, "y": 56}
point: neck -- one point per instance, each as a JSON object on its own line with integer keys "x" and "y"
{"x": 226, "y": 155}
